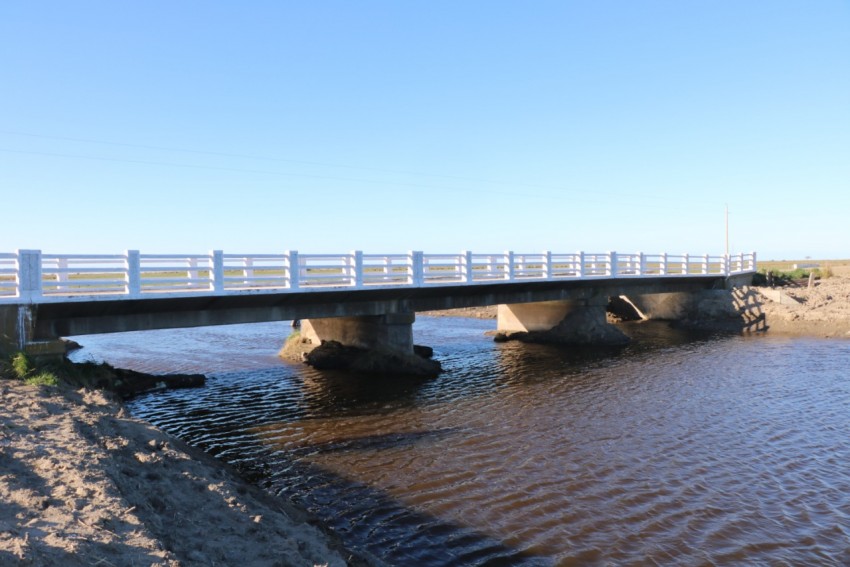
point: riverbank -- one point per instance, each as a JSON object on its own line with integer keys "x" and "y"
{"x": 82, "y": 483}
{"x": 822, "y": 310}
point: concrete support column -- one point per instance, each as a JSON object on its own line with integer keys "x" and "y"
{"x": 389, "y": 332}
{"x": 580, "y": 322}
{"x": 16, "y": 327}
{"x": 537, "y": 316}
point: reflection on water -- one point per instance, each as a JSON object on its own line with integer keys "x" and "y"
{"x": 679, "y": 449}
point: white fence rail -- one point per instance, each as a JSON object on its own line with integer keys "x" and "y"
{"x": 32, "y": 276}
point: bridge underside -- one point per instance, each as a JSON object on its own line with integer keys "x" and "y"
{"x": 25, "y": 324}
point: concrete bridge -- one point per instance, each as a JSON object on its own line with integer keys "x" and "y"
{"x": 359, "y": 299}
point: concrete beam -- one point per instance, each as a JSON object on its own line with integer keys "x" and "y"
{"x": 389, "y": 332}
{"x": 79, "y": 317}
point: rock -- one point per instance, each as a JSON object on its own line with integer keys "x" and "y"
{"x": 332, "y": 355}
{"x": 423, "y": 351}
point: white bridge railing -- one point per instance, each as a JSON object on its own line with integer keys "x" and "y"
{"x": 32, "y": 276}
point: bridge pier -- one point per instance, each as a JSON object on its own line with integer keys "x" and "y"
{"x": 388, "y": 332}
{"x": 563, "y": 321}
{"x": 371, "y": 344}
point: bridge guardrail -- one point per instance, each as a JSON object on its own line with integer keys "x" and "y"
{"x": 32, "y": 276}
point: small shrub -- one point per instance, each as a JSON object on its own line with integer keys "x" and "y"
{"x": 21, "y": 365}
{"x": 826, "y": 272}
{"x": 45, "y": 378}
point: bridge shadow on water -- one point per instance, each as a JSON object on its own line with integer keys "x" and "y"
{"x": 343, "y": 419}
{"x": 370, "y": 521}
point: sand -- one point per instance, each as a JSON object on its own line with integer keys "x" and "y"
{"x": 81, "y": 483}
{"x": 821, "y": 311}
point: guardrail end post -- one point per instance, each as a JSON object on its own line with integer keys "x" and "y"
{"x": 612, "y": 264}
{"x": 29, "y": 279}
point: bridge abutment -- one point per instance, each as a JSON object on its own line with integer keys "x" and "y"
{"x": 16, "y": 327}
{"x": 17, "y": 331}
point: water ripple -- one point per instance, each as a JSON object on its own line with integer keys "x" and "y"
{"x": 677, "y": 450}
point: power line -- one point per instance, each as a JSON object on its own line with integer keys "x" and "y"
{"x": 273, "y": 159}
{"x": 588, "y": 196}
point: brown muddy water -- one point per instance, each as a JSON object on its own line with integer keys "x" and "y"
{"x": 677, "y": 450}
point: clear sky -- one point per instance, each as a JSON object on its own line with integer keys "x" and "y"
{"x": 328, "y": 126}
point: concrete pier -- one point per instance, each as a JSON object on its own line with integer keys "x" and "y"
{"x": 388, "y": 332}
{"x": 580, "y": 322}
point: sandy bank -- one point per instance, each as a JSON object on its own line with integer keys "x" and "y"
{"x": 822, "y": 310}
{"x": 82, "y": 483}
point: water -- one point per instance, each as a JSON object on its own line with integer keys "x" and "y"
{"x": 677, "y": 450}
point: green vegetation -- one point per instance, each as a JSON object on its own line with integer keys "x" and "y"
{"x": 788, "y": 277}
{"x": 21, "y": 367}
{"x": 45, "y": 378}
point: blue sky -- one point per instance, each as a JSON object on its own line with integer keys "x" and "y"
{"x": 326, "y": 126}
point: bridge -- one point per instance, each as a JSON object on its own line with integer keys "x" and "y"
{"x": 356, "y": 298}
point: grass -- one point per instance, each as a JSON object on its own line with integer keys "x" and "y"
{"x": 784, "y": 272}
{"x": 21, "y": 367}
{"x": 45, "y": 378}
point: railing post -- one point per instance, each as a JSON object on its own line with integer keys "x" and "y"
{"x": 293, "y": 266}
{"x": 29, "y": 274}
{"x": 662, "y": 268}
{"x": 509, "y": 265}
{"x": 727, "y": 265}
{"x": 133, "y": 273}
{"x": 61, "y": 273}
{"x": 247, "y": 270}
{"x": 641, "y": 263}
{"x": 612, "y": 263}
{"x": 753, "y": 263}
{"x": 217, "y": 271}
{"x": 705, "y": 264}
{"x": 417, "y": 268}
{"x": 466, "y": 266}
{"x": 547, "y": 264}
{"x": 357, "y": 268}
{"x": 686, "y": 263}
{"x": 580, "y": 266}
